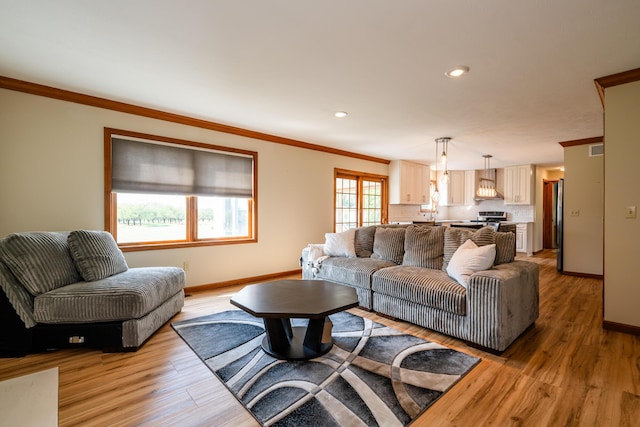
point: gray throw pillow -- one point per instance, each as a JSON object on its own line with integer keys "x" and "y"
{"x": 424, "y": 247}
{"x": 454, "y": 237}
{"x": 505, "y": 247}
{"x": 389, "y": 244}
{"x": 96, "y": 254}
{"x": 41, "y": 261}
{"x": 364, "y": 241}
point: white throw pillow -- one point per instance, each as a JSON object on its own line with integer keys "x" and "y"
{"x": 468, "y": 259}
{"x": 341, "y": 244}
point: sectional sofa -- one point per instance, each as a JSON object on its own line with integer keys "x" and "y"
{"x": 72, "y": 289}
{"x": 460, "y": 282}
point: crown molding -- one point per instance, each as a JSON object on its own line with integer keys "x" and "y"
{"x": 585, "y": 141}
{"x": 108, "y": 104}
{"x": 614, "y": 80}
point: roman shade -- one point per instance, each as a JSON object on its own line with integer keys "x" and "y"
{"x": 144, "y": 167}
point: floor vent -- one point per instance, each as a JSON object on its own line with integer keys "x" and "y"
{"x": 596, "y": 150}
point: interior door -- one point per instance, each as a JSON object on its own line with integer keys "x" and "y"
{"x": 549, "y": 214}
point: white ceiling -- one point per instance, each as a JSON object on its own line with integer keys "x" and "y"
{"x": 284, "y": 67}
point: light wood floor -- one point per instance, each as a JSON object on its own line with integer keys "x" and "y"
{"x": 565, "y": 371}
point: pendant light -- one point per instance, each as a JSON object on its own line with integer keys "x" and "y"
{"x": 435, "y": 196}
{"x": 487, "y": 186}
{"x": 442, "y": 146}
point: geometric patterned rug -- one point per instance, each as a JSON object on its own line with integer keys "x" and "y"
{"x": 373, "y": 376}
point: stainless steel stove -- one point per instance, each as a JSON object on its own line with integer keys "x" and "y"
{"x": 490, "y": 216}
{"x": 483, "y": 219}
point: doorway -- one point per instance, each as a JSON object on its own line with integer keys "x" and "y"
{"x": 549, "y": 214}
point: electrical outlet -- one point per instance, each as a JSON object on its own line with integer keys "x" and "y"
{"x": 630, "y": 212}
{"x": 185, "y": 265}
{"x": 575, "y": 212}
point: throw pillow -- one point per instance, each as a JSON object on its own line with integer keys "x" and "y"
{"x": 388, "y": 244}
{"x": 470, "y": 258}
{"x": 364, "y": 241}
{"x": 505, "y": 247}
{"x": 454, "y": 237}
{"x": 96, "y": 254}
{"x": 423, "y": 247}
{"x": 340, "y": 244}
{"x": 40, "y": 260}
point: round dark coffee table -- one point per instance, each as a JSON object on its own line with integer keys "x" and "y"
{"x": 280, "y": 301}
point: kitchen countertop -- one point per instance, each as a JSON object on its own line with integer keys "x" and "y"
{"x": 469, "y": 221}
{"x": 454, "y": 221}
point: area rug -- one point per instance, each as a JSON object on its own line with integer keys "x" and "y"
{"x": 373, "y": 376}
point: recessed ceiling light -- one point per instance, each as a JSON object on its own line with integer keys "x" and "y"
{"x": 457, "y": 72}
{"x": 340, "y": 114}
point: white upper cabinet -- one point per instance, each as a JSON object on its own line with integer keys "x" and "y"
{"x": 408, "y": 183}
{"x": 470, "y": 178}
{"x": 453, "y": 192}
{"x": 424, "y": 188}
{"x": 519, "y": 185}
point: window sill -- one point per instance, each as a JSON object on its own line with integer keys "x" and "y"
{"x": 134, "y": 247}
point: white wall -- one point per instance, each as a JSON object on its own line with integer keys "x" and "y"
{"x": 51, "y": 178}
{"x": 622, "y": 189}
{"x": 583, "y": 211}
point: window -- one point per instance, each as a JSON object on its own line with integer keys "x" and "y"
{"x": 164, "y": 192}
{"x": 360, "y": 199}
{"x": 434, "y": 197}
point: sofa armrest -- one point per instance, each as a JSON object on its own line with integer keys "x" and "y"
{"x": 17, "y": 296}
{"x": 502, "y": 303}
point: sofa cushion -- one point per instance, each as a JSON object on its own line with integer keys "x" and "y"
{"x": 41, "y": 261}
{"x": 96, "y": 254}
{"x": 470, "y": 258}
{"x": 128, "y": 295}
{"x": 364, "y": 241}
{"x": 353, "y": 271}
{"x": 505, "y": 247}
{"x": 424, "y": 247}
{"x": 340, "y": 244}
{"x": 433, "y": 288}
{"x": 454, "y": 237}
{"x": 389, "y": 244}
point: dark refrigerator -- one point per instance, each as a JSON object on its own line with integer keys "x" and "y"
{"x": 560, "y": 225}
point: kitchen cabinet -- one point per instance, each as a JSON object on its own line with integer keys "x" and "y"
{"x": 523, "y": 241}
{"x": 453, "y": 192}
{"x": 521, "y": 238}
{"x": 461, "y": 189}
{"x": 424, "y": 186}
{"x": 519, "y": 185}
{"x": 470, "y": 179}
{"x": 408, "y": 183}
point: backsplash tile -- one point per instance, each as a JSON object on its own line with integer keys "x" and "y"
{"x": 520, "y": 213}
{"x": 407, "y": 213}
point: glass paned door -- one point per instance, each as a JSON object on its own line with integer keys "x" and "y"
{"x": 360, "y": 200}
{"x": 371, "y": 202}
{"x": 346, "y": 204}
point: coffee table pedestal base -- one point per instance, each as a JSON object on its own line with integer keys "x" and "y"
{"x": 279, "y": 301}
{"x": 283, "y": 341}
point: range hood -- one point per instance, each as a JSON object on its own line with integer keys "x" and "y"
{"x": 498, "y": 196}
{"x": 488, "y": 185}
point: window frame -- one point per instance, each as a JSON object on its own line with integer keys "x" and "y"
{"x": 430, "y": 207}
{"x": 360, "y": 177}
{"x": 111, "y": 205}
